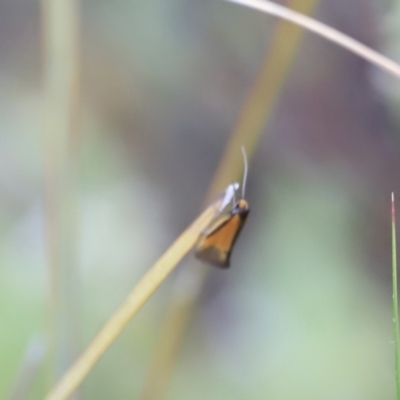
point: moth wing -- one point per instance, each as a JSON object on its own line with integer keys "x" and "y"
{"x": 222, "y": 201}
{"x": 215, "y": 247}
{"x": 229, "y": 195}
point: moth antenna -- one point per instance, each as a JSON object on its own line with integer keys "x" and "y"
{"x": 245, "y": 171}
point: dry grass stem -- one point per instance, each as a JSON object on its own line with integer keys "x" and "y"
{"x": 325, "y": 31}
{"x": 61, "y": 127}
{"x": 135, "y": 301}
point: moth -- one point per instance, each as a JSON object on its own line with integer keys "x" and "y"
{"x": 217, "y": 241}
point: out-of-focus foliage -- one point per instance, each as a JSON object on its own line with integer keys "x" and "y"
{"x": 304, "y": 311}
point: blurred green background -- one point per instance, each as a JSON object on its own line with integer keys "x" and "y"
{"x": 305, "y": 310}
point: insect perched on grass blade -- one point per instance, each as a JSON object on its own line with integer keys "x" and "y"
{"x": 216, "y": 243}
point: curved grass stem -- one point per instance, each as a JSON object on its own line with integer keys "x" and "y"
{"x": 325, "y": 31}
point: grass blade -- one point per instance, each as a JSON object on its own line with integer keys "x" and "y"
{"x": 60, "y": 24}
{"x": 395, "y": 301}
{"x": 325, "y": 31}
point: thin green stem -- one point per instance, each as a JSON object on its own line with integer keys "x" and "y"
{"x": 395, "y": 301}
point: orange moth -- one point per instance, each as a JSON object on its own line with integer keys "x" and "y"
{"x": 216, "y": 243}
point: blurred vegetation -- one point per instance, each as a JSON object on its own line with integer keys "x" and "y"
{"x": 304, "y": 311}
